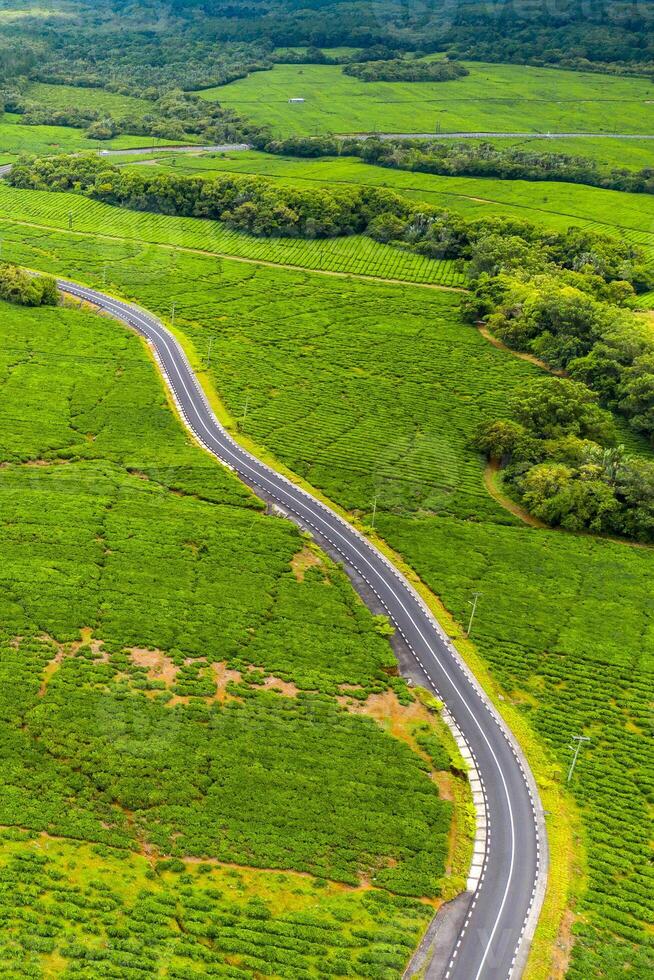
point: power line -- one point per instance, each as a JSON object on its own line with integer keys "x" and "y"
{"x": 473, "y": 602}
{"x": 579, "y": 739}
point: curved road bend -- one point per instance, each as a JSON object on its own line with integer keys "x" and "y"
{"x": 493, "y": 940}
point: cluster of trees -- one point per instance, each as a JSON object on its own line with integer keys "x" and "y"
{"x": 567, "y": 301}
{"x": 560, "y": 458}
{"x": 307, "y": 146}
{"x": 313, "y": 55}
{"x": 607, "y": 268}
{"x": 18, "y": 286}
{"x": 577, "y": 323}
{"x": 405, "y": 70}
{"x": 98, "y": 125}
{"x": 174, "y": 115}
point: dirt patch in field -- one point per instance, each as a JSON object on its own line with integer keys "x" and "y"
{"x": 223, "y": 675}
{"x": 32, "y": 463}
{"x": 490, "y": 477}
{"x": 563, "y": 946}
{"x": 282, "y": 687}
{"x": 64, "y": 650}
{"x": 399, "y": 720}
{"x": 444, "y": 782}
{"x": 158, "y": 665}
{"x": 303, "y": 561}
{"x": 531, "y": 358}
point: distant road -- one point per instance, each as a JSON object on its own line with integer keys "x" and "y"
{"x": 509, "y": 867}
{"x": 231, "y": 147}
{"x": 191, "y": 147}
{"x": 137, "y": 150}
{"x": 476, "y": 136}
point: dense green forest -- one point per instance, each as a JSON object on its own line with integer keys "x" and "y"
{"x": 575, "y": 34}
{"x": 200, "y": 43}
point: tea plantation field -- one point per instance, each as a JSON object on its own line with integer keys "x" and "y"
{"x": 106, "y": 912}
{"x": 565, "y": 622}
{"x": 356, "y": 255}
{"x": 492, "y": 98}
{"x": 176, "y": 692}
{"x": 555, "y": 204}
{"x": 62, "y": 96}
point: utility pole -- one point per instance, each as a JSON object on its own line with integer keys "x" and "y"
{"x": 374, "y": 512}
{"x": 245, "y": 409}
{"x": 70, "y": 221}
{"x": 578, "y": 739}
{"x": 472, "y": 602}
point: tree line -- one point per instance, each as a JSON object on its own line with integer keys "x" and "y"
{"x": 264, "y": 207}
{"x": 470, "y": 159}
{"x": 406, "y": 70}
{"x": 466, "y": 158}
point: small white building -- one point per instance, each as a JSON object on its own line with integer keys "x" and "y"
{"x": 291, "y": 101}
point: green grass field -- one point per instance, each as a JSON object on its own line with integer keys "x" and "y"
{"x": 61, "y": 96}
{"x": 555, "y": 204}
{"x": 46, "y": 140}
{"x": 169, "y": 687}
{"x": 630, "y": 154}
{"x": 493, "y": 98}
{"x": 50, "y": 11}
{"x": 371, "y": 389}
{"x": 354, "y": 255}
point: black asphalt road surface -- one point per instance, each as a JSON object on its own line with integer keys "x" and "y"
{"x": 489, "y": 945}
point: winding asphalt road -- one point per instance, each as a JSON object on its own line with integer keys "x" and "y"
{"x": 509, "y": 870}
